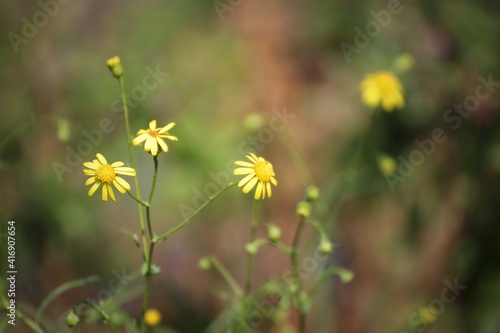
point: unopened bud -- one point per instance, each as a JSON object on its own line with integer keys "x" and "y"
{"x": 274, "y": 233}
{"x": 205, "y": 264}
{"x": 72, "y": 319}
{"x": 114, "y": 65}
{"x": 303, "y": 209}
{"x": 252, "y": 248}
{"x": 325, "y": 246}
{"x": 312, "y": 193}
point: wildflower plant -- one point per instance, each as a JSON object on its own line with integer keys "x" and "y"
{"x": 292, "y": 292}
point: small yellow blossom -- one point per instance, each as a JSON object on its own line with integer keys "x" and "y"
{"x": 152, "y": 317}
{"x": 114, "y": 65}
{"x": 106, "y": 174}
{"x": 259, "y": 172}
{"x": 154, "y": 138}
{"x": 382, "y": 88}
{"x": 428, "y": 315}
{"x": 387, "y": 164}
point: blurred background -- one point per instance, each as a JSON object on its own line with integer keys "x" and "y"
{"x": 208, "y": 66}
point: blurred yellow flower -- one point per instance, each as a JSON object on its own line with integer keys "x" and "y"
{"x": 154, "y": 138}
{"x": 259, "y": 172}
{"x": 106, "y": 174}
{"x": 152, "y": 317}
{"x": 428, "y": 315}
{"x": 382, "y": 88}
{"x": 387, "y": 164}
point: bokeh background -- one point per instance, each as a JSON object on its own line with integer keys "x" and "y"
{"x": 226, "y": 60}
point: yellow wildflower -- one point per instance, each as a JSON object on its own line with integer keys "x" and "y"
{"x": 106, "y": 174}
{"x": 428, "y": 315}
{"x": 382, "y": 88}
{"x": 154, "y": 138}
{"x": 259, "y": 172}
{"x": 152, "y": 317}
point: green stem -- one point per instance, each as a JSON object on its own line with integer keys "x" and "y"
{"x": 196, "y": 212}
{"x": 251, "y": 256}
{"x": 140, "y": 202}
{"x": 304, "y": 173}
{"x": 295, "y": 268}
{"x": 153, "y": 186}
{"x": 152, "y": 242}
{"x": 104, "y": 316}
{"x": 226, "y": 275}
{"x": 21, "y": 316}
{"x": 132, "y": 162}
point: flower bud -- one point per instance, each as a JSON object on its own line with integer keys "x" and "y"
{"x": 205, "y": 264}
{"x": 252, "y": 248}
{"x": 72, "y": 319}
{"x": 404, "y": 63}
{"x": 303, "y": 209}
{"x": 325, "y": 246}
{"x": 312, "y": 193}
{"x": 253, "y": 121}
{"x": 114, "y": 65}
{"x": 274, "y": 233}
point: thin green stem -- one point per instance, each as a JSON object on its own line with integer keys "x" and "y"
{"x": 251, "y": 255}
{"x": 140, "y": 202}
{"x": 226, "y": 276}
{"x": 152, "y": 242}
{"x": 195, "y": 213}
{"x": 21, "y": 316}
{"x": 304, "y": 173}
{"x": 104, "y": 316}
{"x": 295, "y": 268}
{"x": 153, "y": 185}
{"x": 132, "y": 162}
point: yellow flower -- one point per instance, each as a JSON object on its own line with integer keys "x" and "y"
{"x": 382, "y": 88}
{"x": 387, "y": 165}
{"x": 152, "y": 317}
{"x": 428, "y": 315}
{"x": 106, "y": 174}
{"x": 114, "y": 65}
{"x": 154, "y": 138}
{"x": 258, "y": 172}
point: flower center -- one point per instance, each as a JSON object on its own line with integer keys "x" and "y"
{"x": 105, "y": 174}
{"x": 264, "y": 171}
{"x": 387, "y": 82}
{"x": 153, "y": 133}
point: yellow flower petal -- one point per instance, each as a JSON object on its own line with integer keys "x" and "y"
{"x": 152, "y": 125}
{"x": 250, "y": 185}
{"x": 246, "y": 179}
{"x": 93, "y": 189}
{"x": 242, "y": 171}
{"x": 162, "y": 144}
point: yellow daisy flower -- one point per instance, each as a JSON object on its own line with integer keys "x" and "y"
{"x": 428, "y": 315}
{"x": 258, "y": 172}
{"x": 154, "y": 138}
{"x": 382, "y": 88}
{"x": 152, "y": 317}
{"x": 106, "y": 174}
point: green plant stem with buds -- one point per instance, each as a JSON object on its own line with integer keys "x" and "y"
{"x": 132, "y": 162}
{"x": 251, "y": 256}
{"x": 149, "y": 257}
{"x": 104, "y": 316}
